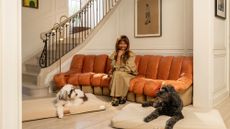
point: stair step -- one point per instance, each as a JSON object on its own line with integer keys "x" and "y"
{"x": 29, "y": 77}
{"x": 34, "y": 91}
{"x": 32, "y": 66}
{"x": 27, "y": 83}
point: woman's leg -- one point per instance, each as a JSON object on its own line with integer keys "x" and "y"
{"x": 120, "y": 85}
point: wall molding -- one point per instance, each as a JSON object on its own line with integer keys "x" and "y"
{"x": 219, "y": 52}
{"x": 143, "y": 51}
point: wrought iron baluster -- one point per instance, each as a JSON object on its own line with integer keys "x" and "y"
{"x": 66, "y": 35}
{"x": 78, "y": 28}
{"x": 73, "y": 33}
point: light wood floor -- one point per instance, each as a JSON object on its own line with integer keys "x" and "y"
{"x": 224, "y": 109}
{"x": 101, "y": 120}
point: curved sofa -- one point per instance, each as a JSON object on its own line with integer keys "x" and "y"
{"x": 90, "y": 73}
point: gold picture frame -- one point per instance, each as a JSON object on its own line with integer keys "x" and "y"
{"x": 148, "y": 18}
{"x": 30, "y": 3}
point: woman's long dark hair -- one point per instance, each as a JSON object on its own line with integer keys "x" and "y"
{"x": 125, "y": 39}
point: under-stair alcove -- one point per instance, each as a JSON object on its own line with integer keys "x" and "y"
{"x": 208, "y": 38}
{"x": 181, "y": 31}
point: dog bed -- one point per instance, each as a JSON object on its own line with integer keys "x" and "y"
{"x": 45, "y": 108}
{"x": 132, "y": 115}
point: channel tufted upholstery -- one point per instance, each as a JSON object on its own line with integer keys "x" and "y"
{"x": 153, "y": 70}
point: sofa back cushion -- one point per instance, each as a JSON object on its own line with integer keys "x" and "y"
{"x": 152, "y": 68}
{"x": 149, "y": 66}
{"x": 163, "y": 67}
{"x": 89, "y": 63}
{"x": 100, "y": 63}
{"x": 77, "y": 63}
{"x": 175, "y": 70}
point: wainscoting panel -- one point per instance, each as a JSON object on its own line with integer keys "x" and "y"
{"x": 220, "y": 89}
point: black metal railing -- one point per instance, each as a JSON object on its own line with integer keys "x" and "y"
{"x": 72, "y": 31}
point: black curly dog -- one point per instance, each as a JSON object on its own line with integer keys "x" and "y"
{"x": 168, "y": 103}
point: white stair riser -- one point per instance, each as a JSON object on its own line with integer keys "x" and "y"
{"x": 29, "y": 78}
{"x": 36, "y": 92}
{"x": 32, "y": 68}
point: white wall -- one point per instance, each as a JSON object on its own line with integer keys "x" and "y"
{"x": 10, "y": 68}
{"x": 220, "y": 51}
{"x": 211, "y": 48}
{"x": 36, "y": 21}
{"x": 176, "y": 30}
{"x": 1, "y": 39}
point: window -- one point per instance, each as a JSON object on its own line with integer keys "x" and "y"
{"x": 74, "y": 6}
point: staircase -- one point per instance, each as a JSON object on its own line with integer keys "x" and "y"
{"x": 65, "y": 36}
{"x": 29, "y": 79}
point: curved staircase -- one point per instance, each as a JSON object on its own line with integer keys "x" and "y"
{"x": 71, "y": 33}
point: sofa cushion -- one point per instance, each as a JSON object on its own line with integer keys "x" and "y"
{"x": 133, "y": 81}
{"x": 145, "y": 86}
{"x": 152, "y": 87}
{"x": 85, "y": 78}
{"x": 181, "y": 84}
{"x": 73, "y": 79}
{"x": 60, "y": 79}
{"x": 138, "y": 87}
{"x": 105, "y": 81}
{"x": 96, "y": 79}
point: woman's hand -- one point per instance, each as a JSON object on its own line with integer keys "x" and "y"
{"x": 120, "y": 53}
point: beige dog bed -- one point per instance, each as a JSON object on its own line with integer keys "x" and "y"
{"x": 45, "y": 108}
{"x": 132, "y": 115}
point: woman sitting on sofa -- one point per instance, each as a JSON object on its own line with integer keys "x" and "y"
{"x": 123, "y": 70}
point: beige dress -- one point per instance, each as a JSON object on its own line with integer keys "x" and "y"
{"x": 122, "y": 75}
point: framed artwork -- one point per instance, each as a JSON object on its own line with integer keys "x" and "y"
{"x": 30, "y": 3}
{"x": 148, "y": 18}
{"x": 220, "y": 8}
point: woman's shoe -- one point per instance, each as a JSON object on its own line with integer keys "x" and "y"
{"x": 122, "y": 100}
{"x": 115, "y": 102}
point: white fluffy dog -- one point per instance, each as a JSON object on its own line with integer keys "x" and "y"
{"x": 67, "y": 96}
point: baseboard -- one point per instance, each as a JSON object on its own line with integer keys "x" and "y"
{"x": 220, "y": 96}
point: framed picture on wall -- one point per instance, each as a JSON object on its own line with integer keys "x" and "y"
{"x": 148, "y": 18}
{"x": 220, "y": 8}
{"x": 30, "y": 3}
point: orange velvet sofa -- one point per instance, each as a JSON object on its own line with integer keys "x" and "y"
{"x": 90, "y": 73}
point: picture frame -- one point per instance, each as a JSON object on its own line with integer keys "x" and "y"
{"x": 220, "y": 8}
{"x": 148, "y": 18}
{"x": 30, "y": 3}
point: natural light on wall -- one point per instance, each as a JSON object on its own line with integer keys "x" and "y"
{"x": 74, "y": 6}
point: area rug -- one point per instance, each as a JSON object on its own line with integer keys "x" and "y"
{"x": 132, "y": 115}
{"x": 45, "y": 108}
